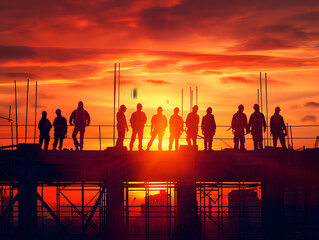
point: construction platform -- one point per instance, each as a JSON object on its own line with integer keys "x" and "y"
{"x": 278, "y": 172}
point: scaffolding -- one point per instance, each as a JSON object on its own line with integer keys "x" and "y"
{"x": 230, "y": 210}
{"x": 154, "y": 216}
{"x": 149, "y": 210}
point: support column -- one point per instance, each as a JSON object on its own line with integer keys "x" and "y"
{"x": 27, "y": 189}
{"x": 115, "y": 205}
{"x": 273, "y": 215}
{"x": 188, "y": 221}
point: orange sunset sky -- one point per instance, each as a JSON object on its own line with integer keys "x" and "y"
{"x": 70, "y": 48}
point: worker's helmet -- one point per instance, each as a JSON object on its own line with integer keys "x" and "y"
{"x": 159, "y": 110}
{"x": 195, "y": 108}
{"x": 176, "y": 110}
{"x": 209, "y": 110}
{"x": 80, "y": 104}
{"x": 44, "y": 113}
{"x": 123, "y": 107}
{"x": 277, "y": 109}
{"x": 139, "y": 106}
{"x": 58, "y": 111}
{"x": 241, "y": 107}
{"x": 256, "y": 107}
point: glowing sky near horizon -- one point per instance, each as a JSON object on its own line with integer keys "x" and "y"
{"x": 70, "y": 47}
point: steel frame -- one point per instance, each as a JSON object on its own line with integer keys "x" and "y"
{"x": 217, "y": 214}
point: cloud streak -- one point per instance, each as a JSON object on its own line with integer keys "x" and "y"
{"x": 157, "y": 82}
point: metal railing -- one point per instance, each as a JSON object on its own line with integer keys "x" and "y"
{"x": 299, "y": 136}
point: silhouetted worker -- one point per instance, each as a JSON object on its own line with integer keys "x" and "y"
{"x": 121, "y": 126}
{"x": 176, "y": 127}
{"x": 44, "y": 127}
{"x": 208, "y": 129}
{"x": 60, "y": 129}
{"x": 257, "y": 123}
{"x": 192, "y": 122}
{"x": 158, "y": 126}
{"x": 278, "y": 128}
{"x": 238, "y": 125}
{"x": 138, "y": 120}
{"x": 80, "y": 119}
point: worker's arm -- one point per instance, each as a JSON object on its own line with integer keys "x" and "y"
{"x": 88, "y": 118}
{"x": 72, "y": 118}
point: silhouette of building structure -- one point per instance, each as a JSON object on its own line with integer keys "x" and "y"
{"x": 272, "y": 194}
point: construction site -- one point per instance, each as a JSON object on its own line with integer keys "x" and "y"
{"x": 273, "y": 194}
{"x": 185, "y": 194}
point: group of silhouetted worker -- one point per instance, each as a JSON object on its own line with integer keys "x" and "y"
{"x": 80, "y": 118}
{"x": 239, "y": 125}
{"x": 256, "y": 126}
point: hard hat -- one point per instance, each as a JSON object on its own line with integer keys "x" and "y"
{"x": 58, "y": 111}
{"x": 123, "y": 107}
{"x": 139, "y": 106}
{"x": 159, "y": 109}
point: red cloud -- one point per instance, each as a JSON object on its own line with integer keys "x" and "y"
{"x": 235, "y": 79}
{"x": 157, "y": 82}
{"x": 309, "y": 118}
{"x": 312, "y": 104}
{"x": 262, "y": 44}
{"x": 240, "y": 79}
{"x": 159, "y": 64}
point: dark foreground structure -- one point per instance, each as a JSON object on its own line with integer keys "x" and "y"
{"x": 273, "y": 194}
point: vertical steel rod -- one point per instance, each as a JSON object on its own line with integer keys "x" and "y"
{"x": 258, "y": 96}
{"x": 190, "y": 99}
{"x": 100, "y": 137}
{"x": 26, "y": 113}
{"x": 196, "y": 95}
{"x": 266, "y": 89}
{"x": 82, "y": 200}
{"x": 292, "y": 141}
{"x": 16, "y": 106}
{"x": 12, "y": 135}
{"x": 118, "y": 88}
{"x": 114, "y": 104}
{"x": 182, "y": 103}
{"x": 287, "y": 127}
{"x": 261, "y": 94}
{"x": 35, "y": 110}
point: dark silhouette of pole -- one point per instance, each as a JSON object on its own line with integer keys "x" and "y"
{"x": 118, "y": 87}
{"x": 182, "y": 102}
{"x": 196, "y": 95}
{"x": 292, "y": 141}
{"x": 12, "y": 135}
{"x": 266, "y": 89}
{"x": 16, "y": 107}
{"x": 287, "y": 127}
{"x": 114, "y": 104}
{"x": 261, "y": 93}
{"x": 100, "y": 141}
{"x": 26, "y": 113}
{"x": 35, "y": 110}
{"x": 190, "y": 99}
{"x": 258, "y": 96}
{"x": 11, "y": 127}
